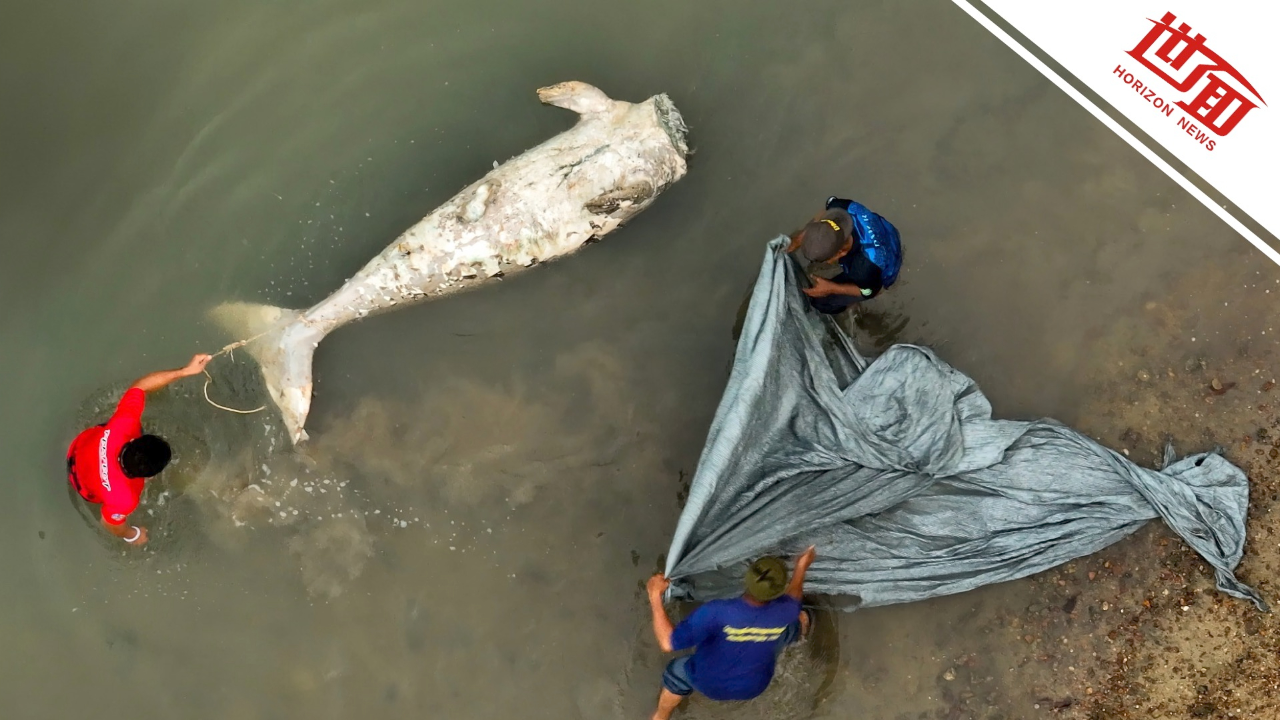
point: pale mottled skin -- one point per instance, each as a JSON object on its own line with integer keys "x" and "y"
{"x": 546, "y": 203}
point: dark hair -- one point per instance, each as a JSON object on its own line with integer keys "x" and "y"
{"x": 820, "y": 241}
{"x": 145, "y": 456}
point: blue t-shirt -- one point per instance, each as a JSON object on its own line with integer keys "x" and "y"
{"x": 737, "y": 645}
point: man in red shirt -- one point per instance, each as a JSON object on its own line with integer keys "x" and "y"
{"x": 109, "y": 463}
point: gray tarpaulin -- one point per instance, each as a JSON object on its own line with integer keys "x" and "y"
{"x": 896, "y": 470}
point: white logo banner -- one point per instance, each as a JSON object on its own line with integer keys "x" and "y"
{"x": 1199, "y": 77}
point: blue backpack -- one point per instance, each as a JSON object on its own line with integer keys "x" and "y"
{"x": 878, "y": 238}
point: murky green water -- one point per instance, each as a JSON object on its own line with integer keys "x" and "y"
{"x": 491, "y": 475}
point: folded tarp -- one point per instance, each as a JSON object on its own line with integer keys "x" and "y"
{"x": 896, "y": 470}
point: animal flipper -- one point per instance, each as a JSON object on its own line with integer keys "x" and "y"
{"x": 283, "y": 345}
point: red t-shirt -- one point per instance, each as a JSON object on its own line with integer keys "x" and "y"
{"x": 93, "y": 460}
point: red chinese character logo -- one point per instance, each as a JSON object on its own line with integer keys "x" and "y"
{"x": 1226, "y": 96}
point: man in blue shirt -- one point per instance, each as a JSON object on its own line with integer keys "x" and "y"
{"x": 736, "y": 641}
{"x": 850, "y": 253}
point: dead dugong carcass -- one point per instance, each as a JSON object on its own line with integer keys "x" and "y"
{"x": 574, "y": 188}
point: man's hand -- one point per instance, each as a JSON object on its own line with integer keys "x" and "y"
{"x": 806, "y": 558}
{"x": 657, "y": 585}
{"x": 796, "y": 587}
{"x": 662, "y": 627}
{"x": 795, "y": 242}
{"x": 196, "y": 366}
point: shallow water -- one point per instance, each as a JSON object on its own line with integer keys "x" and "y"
{"x": 503, "y": 468}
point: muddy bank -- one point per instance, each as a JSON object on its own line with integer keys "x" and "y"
{"x": 1137, "y": 630}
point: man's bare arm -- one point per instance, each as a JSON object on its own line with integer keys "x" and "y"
{"x": 157, "y": 380}
{"x": 845, "y": 289}
{"x": 824, "y": 288}
{"x": 662, "y": 627}
{"x": 796, "y": 587}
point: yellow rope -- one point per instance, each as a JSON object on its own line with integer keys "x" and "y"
{"x": 208, "y": 379}
{"x": 230, "y": 350}
{"x": 239, "y": 344}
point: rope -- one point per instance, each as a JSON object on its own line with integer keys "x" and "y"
{"x": 230, "y": 350}
{"x": 208, "y": 379}
{"x": 239, "y": 344}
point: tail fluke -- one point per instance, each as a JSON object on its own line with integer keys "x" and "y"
{"x": 283, "y": 347}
